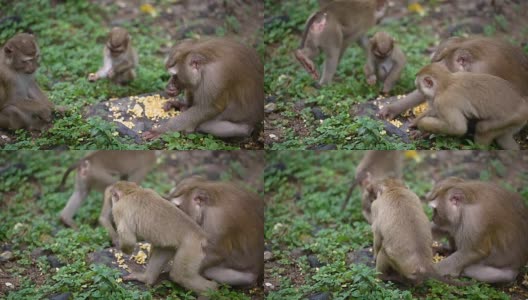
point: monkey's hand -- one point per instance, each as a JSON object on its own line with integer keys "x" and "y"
{"x": 176, "y": 104}
{"x": 111, "y": 73}
{"x": 307, "y": 64}
{"x": 141, "y": 277}
{"x": 387, "y": 113}
{"x": 371, "y": 80}
{"x": 150, "y": 135}
{"x": 92, "y": 77}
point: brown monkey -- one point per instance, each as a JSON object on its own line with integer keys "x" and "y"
{"x": 233, "y": 218}
{"x": 223, "y": 82}
{"x": 142, "y": 213}
{"x": 488, "y": 225}
{"x": 332, "y": 29}
{"x": 379, "y": 164}
{"x": 98, "y": 170}
{"x": 119, "y": 58}
{"x": 22, "y": 102}
{"x": 402, "y": 237}
{"x": 492, "y": 56}
{"x": 385, "y": 59}
{"x": 456, "y": 97}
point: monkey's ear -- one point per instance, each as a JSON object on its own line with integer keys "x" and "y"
{"x": 8, "y": 50}
{"x": 456, "y": 196}
{"x": 197, "y": 60}
{"x": 201, "y": 198}
{"x": 428, "y": 81}
{"x": 463, "y": 58}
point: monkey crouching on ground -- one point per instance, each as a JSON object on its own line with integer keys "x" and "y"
{"x": 223, "y": 82}
{"x": 233, "y": 218}
{"x": 119, "y": 58}
{"x": 456, "y": 98}
{"x": 142, "y": 214}
{"x": 22, "y": 102}
{"x": 402, "y": 235}
{"x": 488, "y": 226}
{"x": 385, "y": 61}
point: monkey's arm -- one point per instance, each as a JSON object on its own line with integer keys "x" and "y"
{"x": 127, "y": 238}
{"x": 106, "y": 217}
{"x": 369, "y": 68}
{"x": 394, "y": 109}
{"x": 107, "y": 65}
{"x": 455, "y": 263}
{"x": 395, "y": 73}
{"x": 191, "y": 118}
{"x": 124, "y": 66}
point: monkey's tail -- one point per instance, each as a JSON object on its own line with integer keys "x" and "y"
{"x": 309, "y": 23}
{"x": 60, "y": 188}
{"x": 350, "y": 190}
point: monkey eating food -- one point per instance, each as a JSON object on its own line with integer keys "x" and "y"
{"x": 223, "y": 82}
{"x": 488, "y": 226}
{"x": 119, "y": 58}
{"x": 142, "y": 214}
{"x": 234, "y": 220}
{"x": 385, "y": 61}
{"x": 456, "y": 98}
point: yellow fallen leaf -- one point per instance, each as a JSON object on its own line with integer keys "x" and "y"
{"x": 148, "y": 9}
{"x": 416, "y": 8}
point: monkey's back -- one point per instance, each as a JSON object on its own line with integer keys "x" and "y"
{"x": 406, "y": 236}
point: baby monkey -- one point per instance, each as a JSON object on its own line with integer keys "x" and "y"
{"x": 119, "y": 58}
{"x": 385, "y": 61}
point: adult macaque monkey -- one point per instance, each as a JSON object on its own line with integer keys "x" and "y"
{"x": 142, "y": 214}
{"x": 379, "y": 164}
{"x": 223, "y": 81}
{"x": 488, "y": 225}
{"x": 233, "y": 219}
{"x": 454, "y": 98}
{"x": 119, "y": 58}
{"x": 332, "y": 29}
{"x": 492, "y": 56}
{"x": 22, "y": 102}
{"x": 385, "y": 61}
{"x": 98, "y": 170}
{"x": 402, "y": 236}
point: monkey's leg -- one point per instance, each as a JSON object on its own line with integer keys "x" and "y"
{"x": 392, "y": 77}
{"x": 396, "y": 108}
{"x": 105, "y": 219}
{"x": 225, "y": 128}
{"x": 80, "y": 193}
{"x": 125, "y": 76}
{"x": 11, "y": 117}
{"x": 456, "y": 262}
{"x": 159, "y": 258}
{"x": 455, "y": 124}
{"x": 490, "y": 274}
{"x": 230, "y": 276}
{"x": 186, "y": 267}
{"x": 332, "y": 52}
{"x": 507, "y": 142}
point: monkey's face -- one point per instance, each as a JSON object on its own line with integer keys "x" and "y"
{"x": 117, "y": 42}
{"x": 383, "y": 50}
{"x": 447, "y": 205}
{"x": 190, "y": 202}
{"x": 24, "y": 63}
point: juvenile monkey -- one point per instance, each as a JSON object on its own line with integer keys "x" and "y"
{"x": 233, "y": 218}
{"x": 488, "y": 225}
{"x": 454, "y": 98}
{"x": 402, "y": 236}
{"x": 142, "y": 214}
{"x": 379, "y": 164}
{"x": 492, "y": 56}
{"x": 119, "y": 58}
{"x": 223, "y": 82}
{"x": 98, "y": 170}
{"x": 22, "y": 102}
{"x": 384, "y": 59}
{"x": 332, "y": 29}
